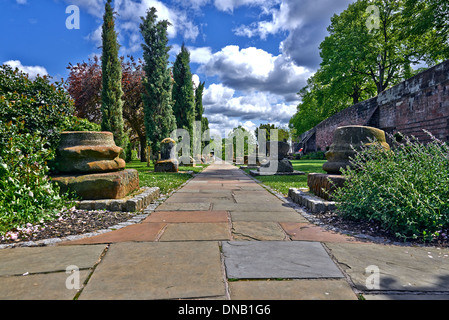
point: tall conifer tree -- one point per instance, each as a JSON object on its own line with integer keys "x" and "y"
{"x": 111, "y": 95}
{"x": 183, "y": 94}
{"x": 159, "y": 118}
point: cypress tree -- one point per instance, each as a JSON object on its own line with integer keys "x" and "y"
{"x": 183, "y": 94}
{"x": 111, "y": 95}
{"x": 159, "y": 118}
{"x": 199, "y": 109}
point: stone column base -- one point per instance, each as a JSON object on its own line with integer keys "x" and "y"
{"x": 111, "y": 185}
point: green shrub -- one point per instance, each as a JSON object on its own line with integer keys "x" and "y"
{"x": 405, "y": 189}
{"x": 32, "y": 115}
{"x": 79, "y": 124}
{"x": 42, "y": 106}
{"x": 26, "y": 194}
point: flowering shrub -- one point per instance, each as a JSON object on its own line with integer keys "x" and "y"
{"x": 406, "y": 189}
{"x": 32, "y": 114}
{"x": 26, "y": 193}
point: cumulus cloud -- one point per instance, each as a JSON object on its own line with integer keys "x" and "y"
{"x": 200, "y": 55}
{"x": 225, "y": 108}
{"x": 230, "y": 5}
{"x": 305, "y": 22}
{"x": 32, "y": 71}
{"x": 128, "y": 20}
{"x": 252, "y": 69}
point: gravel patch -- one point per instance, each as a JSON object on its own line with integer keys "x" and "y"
{"x": 72, "y": 222}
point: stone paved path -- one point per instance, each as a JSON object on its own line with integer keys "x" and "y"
{"x": 223, "y": 236}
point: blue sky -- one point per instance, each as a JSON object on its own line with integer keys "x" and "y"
{"x": 254, "y": 55}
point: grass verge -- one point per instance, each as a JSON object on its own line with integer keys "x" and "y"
{"x": 166, "y": 181}
{"x": 283, "y": 183}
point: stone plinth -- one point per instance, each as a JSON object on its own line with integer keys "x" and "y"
{"x": 108, "y": 185}
{"x": 168, "y": 162}
{"x": 89, "y": 164}
{"x": 323, "y": 185}
{"x": 166, "y": 166}
{"x": 129, "y": 204}
{"x": 311, "y": 202}
{"x": 345, "y": 140}
{"x": 88, "y": 152}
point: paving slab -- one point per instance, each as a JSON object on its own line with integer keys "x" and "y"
{"x": 202, "y": 195}
{"x": 316, "y": 289}
{"x": 195, "y": 199}
{"x": 277, "y": 259}
{"x": 275, "y": 207}
{"x": 157, "y": 270}
{"x": 18, "y": 261}
{"x": 260, "y": 198}
{"x": 187, "y": 216}
{"x": 311, "y": 232}
{"x": 401, "y": 268}
{"x": 259, "y": 231}
{"x": 135, "y": 232}
{"x": 196, "y": 232}
{"x": 48, "y": 286}
{"x": 267, "y": 216}
{"x": 201, "y": 206}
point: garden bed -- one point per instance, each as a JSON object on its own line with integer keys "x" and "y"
{"x": 69, "y": 223}
{"x": 371, "y": 230}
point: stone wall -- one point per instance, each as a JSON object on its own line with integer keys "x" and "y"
{"x": 421, "y": 102}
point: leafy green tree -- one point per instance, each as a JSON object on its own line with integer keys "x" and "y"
{"x": 428, "y": 20}
{"x": 111, "y": 95}
{"x": 283, "y": 134}
{"x": 371, "y": 46}
{"x": 157, "y": 83}
{"x": 43, "y": 107}
{"x": 183, "y": 94}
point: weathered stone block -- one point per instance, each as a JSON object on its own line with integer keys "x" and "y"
{"x": 88, "y": 152}
{"x": 170, "y": 165}
{"x": 323, "y": 185}
{"x": 112, "y": 185}
{"x": 346, "y": 141}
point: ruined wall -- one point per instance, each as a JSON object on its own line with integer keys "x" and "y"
{"x": 421, "y": 102}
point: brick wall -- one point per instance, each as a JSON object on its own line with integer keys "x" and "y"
{"x": 421, "y": 102}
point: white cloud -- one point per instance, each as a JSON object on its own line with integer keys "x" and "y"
{"x": 128, "y": 21}
{"x": 195, "y": 80}
{"x": 32, "y": 71}
{"x": 305, "y": 22}
{"x": 230, "y": 5}
{"x": 252, "y": 69}
{"x": 199, "y": 55}
{"x": 225, "y": 108}
{"x": 93, "y": 7}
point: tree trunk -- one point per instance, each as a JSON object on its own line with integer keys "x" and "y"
{"x": 143, "y": 145}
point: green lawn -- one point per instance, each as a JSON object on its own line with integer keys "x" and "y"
{"x": 283, "y": 183}
{"x": 167, "y": 182}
